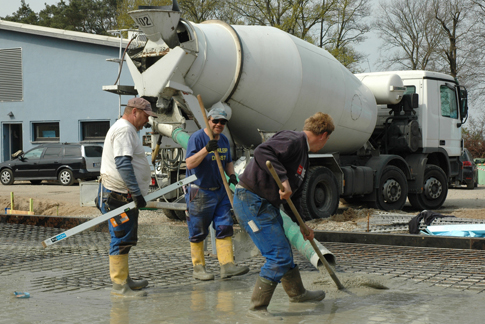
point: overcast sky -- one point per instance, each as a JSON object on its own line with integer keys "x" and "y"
{"x": 8, "y": 7}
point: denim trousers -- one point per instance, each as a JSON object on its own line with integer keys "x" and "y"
{"x": 264, "y": 225}
{"x": 125, "y": 235}
{"x": 206, "y": 207}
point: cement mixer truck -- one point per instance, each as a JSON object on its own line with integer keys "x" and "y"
{"x": 397, "y": 136}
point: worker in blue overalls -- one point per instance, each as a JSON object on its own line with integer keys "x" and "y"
{"x": 207, "y": 200}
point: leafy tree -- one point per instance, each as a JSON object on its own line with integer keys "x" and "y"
{"x": 90, "y": 16}
{"x": 23, "y": 15}
{"x": 347, "y": 26}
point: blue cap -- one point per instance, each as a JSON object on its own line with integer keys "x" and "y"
{"x": 218, "y": 113}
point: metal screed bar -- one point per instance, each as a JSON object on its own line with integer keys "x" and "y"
{"x": 116, "y": 212}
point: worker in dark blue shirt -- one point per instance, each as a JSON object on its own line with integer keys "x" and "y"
{"x": 207, "y": 200}
{"x": 257, "y": 202}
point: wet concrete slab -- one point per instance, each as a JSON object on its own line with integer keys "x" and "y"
{"x": 69, "y": 283}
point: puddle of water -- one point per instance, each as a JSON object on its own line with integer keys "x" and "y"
{"x": 226, "y": 301}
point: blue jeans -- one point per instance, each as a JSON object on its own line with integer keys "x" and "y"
{"x": 264, "y": 225}
{"x": 206, "y": 206}
{"x": 125, "y": 235}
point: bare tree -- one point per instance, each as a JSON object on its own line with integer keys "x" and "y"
{"x": 474, "y": 136}
{"x": 452, "y": 16}
{"x": 410, "y": 33}
{"x": 347, "y": 27}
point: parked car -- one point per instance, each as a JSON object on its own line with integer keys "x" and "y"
{"x": 65, "y": 162}
{"x": 469, "y": 173}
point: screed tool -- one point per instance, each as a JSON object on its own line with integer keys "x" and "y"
{"x": 116, "y": 212}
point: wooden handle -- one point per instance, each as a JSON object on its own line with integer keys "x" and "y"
{"x": 303, "y": 226}
{"x": 218, "y": 160}
{"x": 157, "y": 149}
{"x": 290, "y": 203}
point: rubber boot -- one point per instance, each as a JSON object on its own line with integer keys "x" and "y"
{"x": 293, "y": 286}
{"x": 136, "y": 285}
{"x": 198, "y": 261}
{"x": 118, "y": 270}
{"x": 262, "y": 294}
{"x": 225, "y": 255}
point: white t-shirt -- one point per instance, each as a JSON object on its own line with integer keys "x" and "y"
{"x": 122, "y": 140}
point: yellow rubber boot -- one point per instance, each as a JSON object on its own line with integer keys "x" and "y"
{"x": 118, "y": 271}
{"x": 225, "y": 255}
{"x": 198, "y": 261}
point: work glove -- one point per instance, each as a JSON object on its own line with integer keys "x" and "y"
{"x": 232, "y": 179}
{"x": 212, "y": 145}
{"x": 139, "y": 201}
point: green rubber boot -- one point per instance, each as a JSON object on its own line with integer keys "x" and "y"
{"x": 293, "y": 286}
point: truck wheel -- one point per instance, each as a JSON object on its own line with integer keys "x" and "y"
{"x": 435, "y": 190}
{"x": 393, "y": 189}
{"x": 170, "y": 214}
{"x": 320, "y": 195}
{"x": 66, "y": 177}
{"x": 180, "y": 214}
{"x": 6, "y": 177}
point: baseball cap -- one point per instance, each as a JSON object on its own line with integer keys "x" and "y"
{"x": 142, "y": 104}
{"x": 218, "y": 113}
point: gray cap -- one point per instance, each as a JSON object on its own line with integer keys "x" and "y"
{"x": 143, "y": 104}
{"x": 218, "y": 113}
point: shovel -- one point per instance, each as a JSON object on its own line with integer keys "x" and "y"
{"x": 302, "y": 225}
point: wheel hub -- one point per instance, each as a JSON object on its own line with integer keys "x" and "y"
{"x": 433, "y": 188}
{"x": 391, "y": 190}
{"x": 319, "y": 196}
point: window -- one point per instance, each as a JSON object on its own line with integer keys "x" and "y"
{"x": 72, "y": 150}
{"x": 410, "y": 90}
{"x": 94, "y": 131}
{"x": 52, "y": 152}
{"x": 11, "y": 74}
{"x": 93, "y": 151}
{"x": 449, "y": 106}
{"x": 46, "y": 132}
{"x": 34, "y": 154}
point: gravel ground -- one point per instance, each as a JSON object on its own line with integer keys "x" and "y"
{"x": 57, "y": 200}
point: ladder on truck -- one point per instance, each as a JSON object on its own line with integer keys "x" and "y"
{"x": 117, "y": 88}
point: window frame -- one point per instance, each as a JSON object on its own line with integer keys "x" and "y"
{"x": 83, "y": 124}
{"x": 45, "y": 139}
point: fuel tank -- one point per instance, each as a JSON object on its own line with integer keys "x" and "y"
{"x": 271, "y": 80}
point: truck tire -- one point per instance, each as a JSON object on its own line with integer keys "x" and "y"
{"x": 435, "y": 190}
{"x": 6, "y": 177}
{"x": 170, "y": 214}
{"x": 320, "y": 195}
{"x": 393, "y": 189}
{"x": 180, "y": 214}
